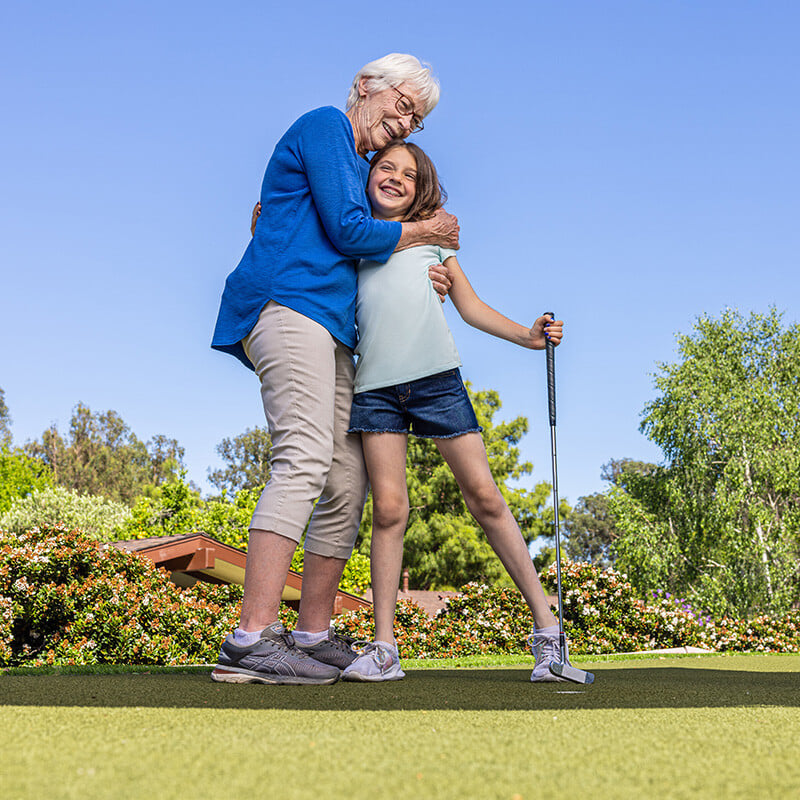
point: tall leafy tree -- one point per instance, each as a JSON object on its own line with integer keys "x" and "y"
{"x": 444, "y": 547}
{"x": 101, "y": 455}
{"x": 590, "y": 530}
{"x": 591, "y": 526}
{"x": 617, "y": 470}
{"x": 166, "y": 459}
{"x": 720, "y": 519}
{"x": 246, "y": 458}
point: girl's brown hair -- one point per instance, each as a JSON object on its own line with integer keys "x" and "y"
{"x": 430, "y": 194}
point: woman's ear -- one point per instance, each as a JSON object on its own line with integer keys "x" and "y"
{"x": 363, "y": 91}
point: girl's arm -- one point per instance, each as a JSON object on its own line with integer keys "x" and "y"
{"x": 483, "y": 317}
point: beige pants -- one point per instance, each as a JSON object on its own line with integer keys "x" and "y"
{"x": 307, "y": 387}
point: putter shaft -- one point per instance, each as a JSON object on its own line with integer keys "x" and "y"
{"x": 562, "y": 669}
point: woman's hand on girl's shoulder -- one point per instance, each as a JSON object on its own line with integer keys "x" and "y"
{"x": 443, "y": 229}
{"x": 543, "y": 330}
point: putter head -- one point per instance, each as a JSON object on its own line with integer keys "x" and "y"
{"x": 570, "y": 673}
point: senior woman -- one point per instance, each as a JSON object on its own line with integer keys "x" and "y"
{"x": 288, "y": 313}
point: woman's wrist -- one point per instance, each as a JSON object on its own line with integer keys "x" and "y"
{"x": 441, "y": 229}
{"x": 413, "y": 234}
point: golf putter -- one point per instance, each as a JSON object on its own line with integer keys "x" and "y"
{"x": 563, "y": 669}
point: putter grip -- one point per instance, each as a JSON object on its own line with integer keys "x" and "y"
{"x": 550, "y": 352}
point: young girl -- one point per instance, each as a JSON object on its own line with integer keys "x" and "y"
{"x": 407, "y": 380}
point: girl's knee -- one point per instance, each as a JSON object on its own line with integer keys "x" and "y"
{"x": 485, "y": 500}
{"x": 390, "y": 512}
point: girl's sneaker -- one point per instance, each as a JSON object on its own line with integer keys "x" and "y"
{"x": 546, "y": 649}
{"x": 379, "y": 661}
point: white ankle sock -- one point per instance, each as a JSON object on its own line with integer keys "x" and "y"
{"x": 246, "y": 638}
{"x": 550, "y": 630}
{"x": 307, "y": 638}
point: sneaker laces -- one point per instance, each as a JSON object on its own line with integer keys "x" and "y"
{"x": 287, "y": 643}
{"x": 381, "y": 655}
{"x": 340, "y": 641}
{"x": 549, "y": 647}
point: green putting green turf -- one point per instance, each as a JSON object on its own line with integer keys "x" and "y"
{"x": 715, "y": 726}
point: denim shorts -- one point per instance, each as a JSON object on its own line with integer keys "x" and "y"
{"x": 436, "y": 407}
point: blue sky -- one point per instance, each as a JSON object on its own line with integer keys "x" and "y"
{"x": 631, "y": 165}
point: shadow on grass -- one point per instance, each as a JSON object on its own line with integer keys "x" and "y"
{"x": 436, "y": 689}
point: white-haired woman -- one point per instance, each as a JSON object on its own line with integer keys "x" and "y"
{"x": 288, "y": 313}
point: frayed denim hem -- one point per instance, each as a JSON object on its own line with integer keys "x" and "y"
{"x": 375, "y": 430}
{"x": 449, "y": 435}
{"x": 418, "y": 435}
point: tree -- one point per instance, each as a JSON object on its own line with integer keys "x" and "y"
{"x": 102, "y": 456}
{"x": 174, "y": 507}
{"x": 719, "y": 520}
{"x": 444, "y": 547}
{"x": 616, "y": 470}
{"x": 591, "y": 525}
{"x": 247, "y": 460}
{"x": 166, "y": 459}
{"x": 5, "y": 421}
{"x": 590, "y": 531}
{"x": 20, "y": 475}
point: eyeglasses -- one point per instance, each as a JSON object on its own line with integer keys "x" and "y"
{"x": 406, "y": 109}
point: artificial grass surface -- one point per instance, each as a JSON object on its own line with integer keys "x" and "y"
{"x": 723, "y": 726}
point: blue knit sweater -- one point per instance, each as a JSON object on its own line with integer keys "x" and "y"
{"x": 315, "y": 224}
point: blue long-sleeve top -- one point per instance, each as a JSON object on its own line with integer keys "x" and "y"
{"x": 315, "y": 225}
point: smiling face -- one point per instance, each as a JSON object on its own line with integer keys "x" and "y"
{"x": 377, "y": 120}
{"x": 392, "y": 184}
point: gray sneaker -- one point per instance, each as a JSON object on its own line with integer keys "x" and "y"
{"x": 274, "y": 658}
{"x": 336, "y": 650}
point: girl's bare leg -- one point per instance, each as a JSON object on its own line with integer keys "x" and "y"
{"x": 385, "y": 457}
{"x": 466, "y": 457}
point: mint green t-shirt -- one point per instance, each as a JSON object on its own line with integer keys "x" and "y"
{"x": 402, "y": 331}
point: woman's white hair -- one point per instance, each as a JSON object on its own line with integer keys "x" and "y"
{"x": 391, "y": 71}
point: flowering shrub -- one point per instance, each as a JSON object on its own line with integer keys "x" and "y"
{"x": 67, "y": 599}
{"x": 602, "y": 613}
{"x": 487, "y": 620}
{"x": 417, "y": 635}
{"x": 763, "y": 634}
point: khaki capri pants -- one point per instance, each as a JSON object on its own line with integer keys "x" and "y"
{"x": 307, "y": 388}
